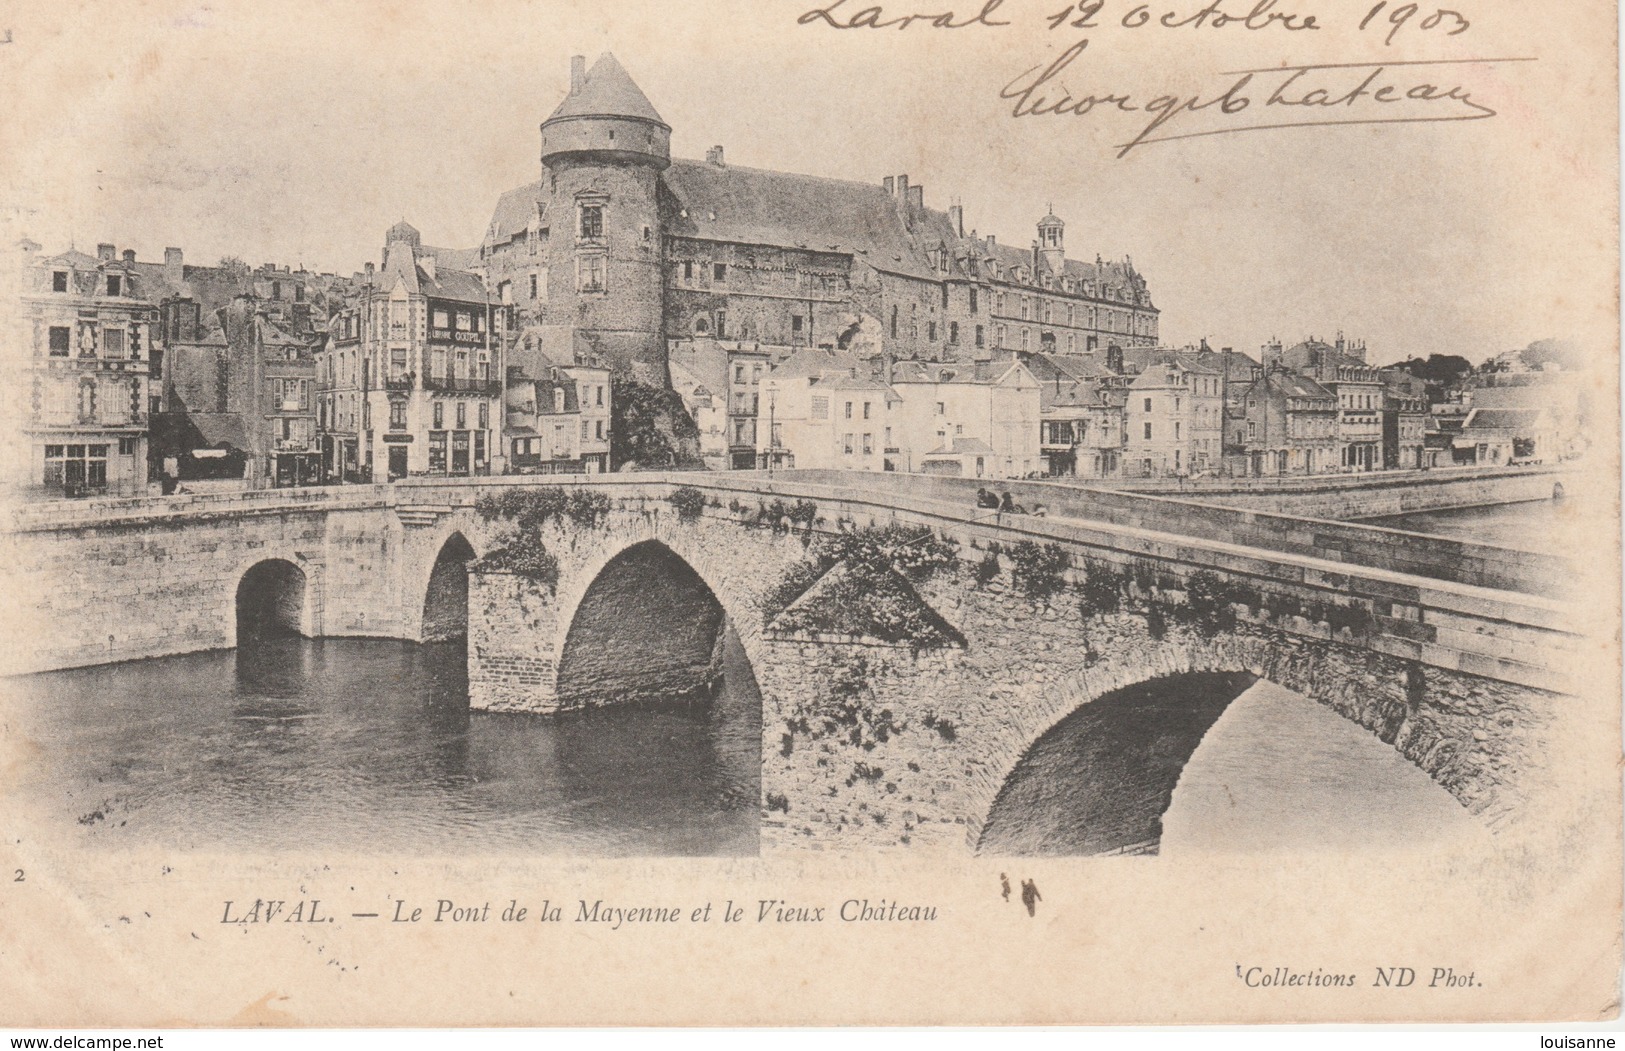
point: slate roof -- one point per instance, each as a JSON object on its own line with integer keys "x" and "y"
{"x": 963, "y": 447}
{"x": 760, "y": 207}
{"x": 458, "y": 285}
{"x": 818, "y": 364}
{"x": 1504, "y": 420}
{"x": 951, "y": 372}
{"x": 608, "y": 91}
{"x": 514, "y": 211}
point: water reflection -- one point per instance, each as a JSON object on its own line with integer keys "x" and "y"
{"x": 292, "y": 743}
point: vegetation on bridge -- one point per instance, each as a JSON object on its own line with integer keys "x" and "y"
{"x": 860, "y": 582}
{"x": 521, "y": 549}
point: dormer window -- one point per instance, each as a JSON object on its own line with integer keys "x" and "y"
{"x": 114, "y": 284}
{"x": 59, "y": 281}
{"x": 558, "y": 399}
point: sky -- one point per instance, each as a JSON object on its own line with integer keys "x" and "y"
{"x": 287, "y": 133}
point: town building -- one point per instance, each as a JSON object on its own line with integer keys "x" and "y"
{"x": 1081, "y": 415}
{"x": 824, "y": 410}
{"x": 559, "y": 421}
{"x": 623, "y": 247}
{"x": 1174, "y": 418}
{"x": 1404, "y": 420}
{"x": 699, "y": 375}
{"x": 1281, "y": 423}
{"x": 87, "y": 323}
{"x": 979, "y": 417}
{"x": 1342, "y": 369}
{"x": 1491, "y": 437}
{"x": 431, "y": 347}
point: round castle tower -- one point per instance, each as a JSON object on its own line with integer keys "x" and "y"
{"x": 603, "y": 150}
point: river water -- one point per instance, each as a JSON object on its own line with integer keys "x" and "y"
{"x": 1537, "y": 525}
{"x": 292, "y": 744}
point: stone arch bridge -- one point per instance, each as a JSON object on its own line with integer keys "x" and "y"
{"x": 1453, "y": 653}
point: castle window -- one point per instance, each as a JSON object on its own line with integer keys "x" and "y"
{"x": 931, "y": 331}
{"x": 590, "y": 273}
{"x": 973, "y": 301}
{"x": 953, "y": 332}
{"x": 645, "y": 235}
{"x": 60, "y": 339}
{"x": 592, "y": 221}
{"x": 945, "y": 296}
{"x": 533, "y": 286}
{"x": 59, "y": 281}
{"x": 688, "y": 270}
{"x": 979, "y": 336}
{"x": 114, "y": 283}
{"x": 719, "y": 272}
{"x": 722, "y": 324}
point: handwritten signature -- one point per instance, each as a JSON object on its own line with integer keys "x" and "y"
{"x": 1306, "y": 96}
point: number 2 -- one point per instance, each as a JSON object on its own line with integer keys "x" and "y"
{"x": 19, "y": 877}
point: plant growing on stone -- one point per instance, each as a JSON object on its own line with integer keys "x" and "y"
{"x": 531, "y": 560}
{"x": 689, "y": 502}
{"x": 1039, "y": 570}
{"x": 1100, "y": 592}
{"x": 1156, "y": 621}
{"x": 1210, "y": 602}
{"x": 945, "y": 728}
{"x": 988, "y": 569}
{"x": 587, "y": 507}
{"x": 803, "y": 513}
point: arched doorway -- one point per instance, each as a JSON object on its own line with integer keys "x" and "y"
{"x": 1099, "y": 781}
{"x": 647, "y": 626}
{"x": 445, "y": 603}
{"x": 271, "y": 600}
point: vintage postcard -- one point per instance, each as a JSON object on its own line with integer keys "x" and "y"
{"x": 918, "y": 512}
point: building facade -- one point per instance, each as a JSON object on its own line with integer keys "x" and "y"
{"x": 623, "y": 247}
{"x": 88, "y": 328}
{"x": 422, "y": 350}
{"x": 989, "y": 409}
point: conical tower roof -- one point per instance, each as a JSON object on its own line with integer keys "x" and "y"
{"x": 607, "y": 90}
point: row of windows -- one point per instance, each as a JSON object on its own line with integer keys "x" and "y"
{"x": 112, "y": 342}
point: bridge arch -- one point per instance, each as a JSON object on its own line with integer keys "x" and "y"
{"x": 273, "y": 597}
{"x": 443, "y": 615}
{"x": 642, "y": 618}
{"x": 1215, "y": 672}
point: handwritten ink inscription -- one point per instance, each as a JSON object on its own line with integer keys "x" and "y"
{"x": 1266, "y": 99}
{"x": 1316, "y": 95}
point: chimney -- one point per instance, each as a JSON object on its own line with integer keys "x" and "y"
{"x": 916, "y": 200}
{"x": 902, "y": 187}
{"x": 427, "y": 263}
{"x": 173, "y": 269}
{"x": 370, "y": 269}
{"x": 992, "y": 240}
{"x": 578, "y": 73}
{"x": 129, "y": 256}
{"x": 106, "y": 252}
{"x": 889, "y": 184}
{"x": 714, "y": 156}
{"x": 956, "y": 219}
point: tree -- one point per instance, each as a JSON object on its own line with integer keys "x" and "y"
{"x": 234, "y": 266}
{"x": 1446, "y": 370}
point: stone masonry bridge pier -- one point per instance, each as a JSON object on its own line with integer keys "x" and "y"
{"x": 1130, "y": 621}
